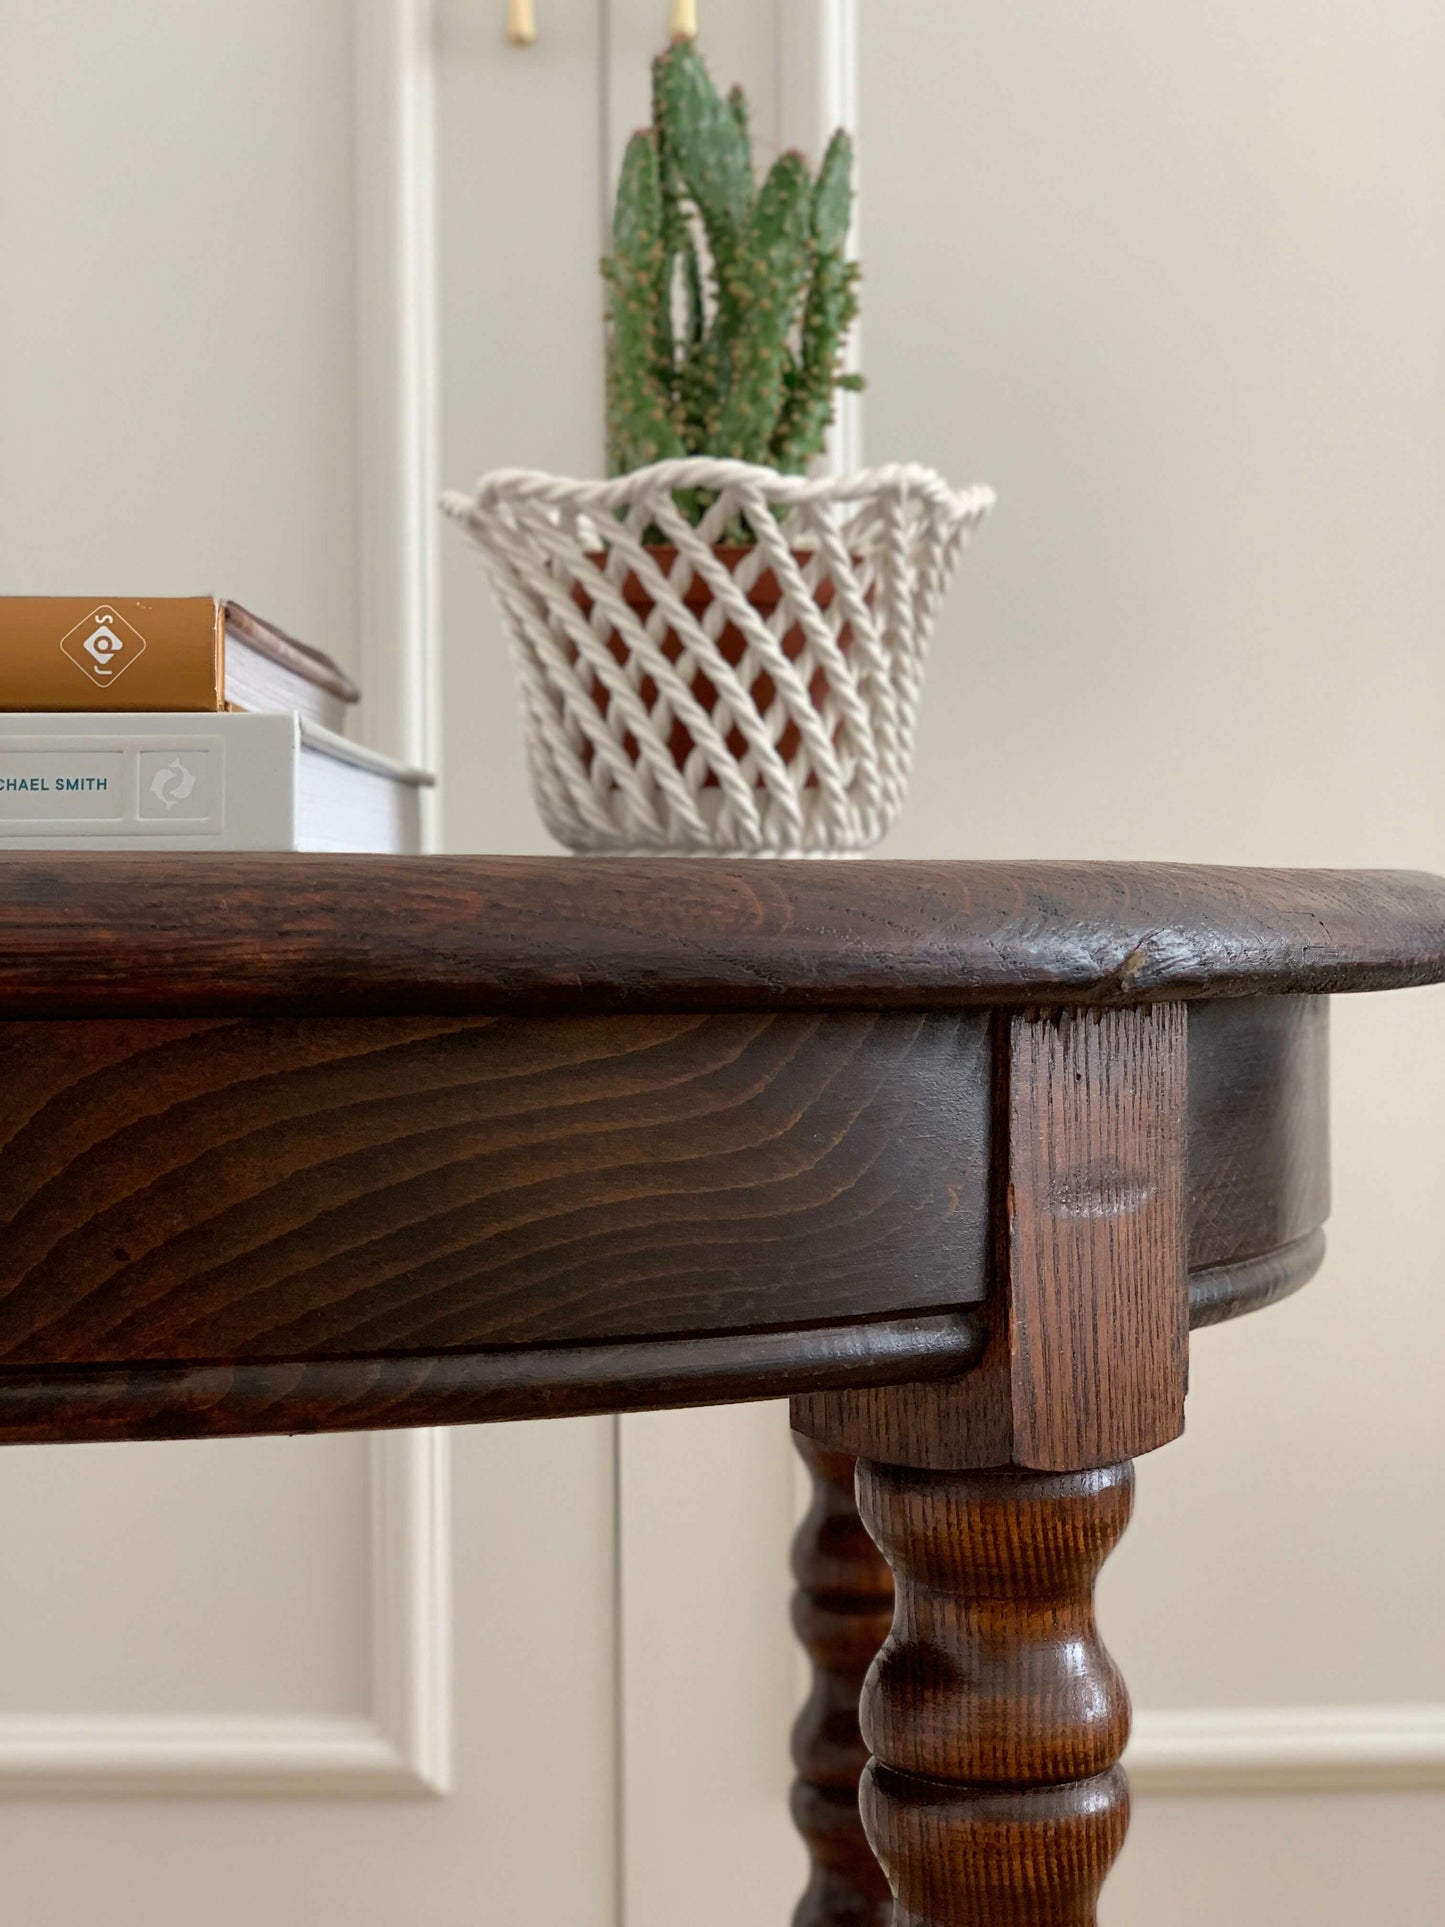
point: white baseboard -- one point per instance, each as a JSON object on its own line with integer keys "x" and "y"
{"x": 1253, "y": 1749}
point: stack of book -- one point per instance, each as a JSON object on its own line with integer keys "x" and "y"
{"x": 183, "y": 723}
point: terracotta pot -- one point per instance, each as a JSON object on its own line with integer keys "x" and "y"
{"x": 764, "y": 596}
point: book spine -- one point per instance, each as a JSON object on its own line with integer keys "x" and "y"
{"x": 151, "y": 788}
{"x": 62, "y": 654}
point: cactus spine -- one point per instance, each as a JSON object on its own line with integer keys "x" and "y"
{"x": 729, "y": 303}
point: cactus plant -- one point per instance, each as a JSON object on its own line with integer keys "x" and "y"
{"x": 729, "y": 302}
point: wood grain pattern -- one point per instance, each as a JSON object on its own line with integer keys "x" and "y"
{"x": 842, "y": 1631}
{"x": 842, "y": 1609}
{"x": 1001, "y": 1858}
{"x": 552, "y": 1381}
{"x": 1096, "y": 1260}
{"x": 59, "y": 1405}
{"x": 219, "y": 1188}
{"x": 1259, "y": 1126}
{"x": 304, "y": 1185}
{"x": 1088, "y": 1348}
{"x": 113, "y": 934}
{"x": 995, "y": 1716}
{"x": 201, "y": 1190}
{"x": 1252, "y": 1284}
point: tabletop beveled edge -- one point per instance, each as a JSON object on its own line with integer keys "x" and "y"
{"x": 161, "y": 934}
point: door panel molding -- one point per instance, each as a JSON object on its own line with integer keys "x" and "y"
{"x": 1279, "y": 1749}
{"x": 398, "y": 365}
{"x": 818, "y": 90}
{"x": 401, "y": 1746}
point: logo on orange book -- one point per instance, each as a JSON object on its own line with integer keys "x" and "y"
{"x": 104, "y": 645}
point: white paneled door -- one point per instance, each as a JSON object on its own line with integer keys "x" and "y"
{"x": 348, "y": 1681}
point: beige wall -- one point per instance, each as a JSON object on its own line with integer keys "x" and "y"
{"x": 1173, "y": 279}
{"x": 177, "y": 320}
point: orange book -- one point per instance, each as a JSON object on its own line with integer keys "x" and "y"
{"x": 160, "y": 653}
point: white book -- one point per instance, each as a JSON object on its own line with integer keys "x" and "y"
{"x": 192, "y": 781}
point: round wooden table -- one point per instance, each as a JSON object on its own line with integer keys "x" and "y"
{"x": 954, "y": 1154}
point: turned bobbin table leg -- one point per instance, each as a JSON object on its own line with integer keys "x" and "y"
{"x": 994, "y": 1797}
{"x": 842, "y": 1609}
{"x": 995, "y": 1716}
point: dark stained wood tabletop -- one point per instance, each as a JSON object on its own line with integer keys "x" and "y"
{"x": 182, "y": 935}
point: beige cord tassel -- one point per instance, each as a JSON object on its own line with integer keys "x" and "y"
{"x": 521, "y": 23}
{"x": 682, "y": 22}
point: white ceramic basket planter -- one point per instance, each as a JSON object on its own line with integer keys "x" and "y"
{"x": 688, "y": 691}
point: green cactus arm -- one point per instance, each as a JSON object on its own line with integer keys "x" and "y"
{"x": 808, "y": 405}
{"x": 641, "y": 416}
{"x": 702, "y": 136}
{"x": 829, "y": 312}
{"x": 769, "y": 277}
{"x": 833, "y": 195}
{"x": 675, "y": 239}
{"x": 641, "y": 235}
{"x": 707, "y": 155}
{"x": 696, "y": 373}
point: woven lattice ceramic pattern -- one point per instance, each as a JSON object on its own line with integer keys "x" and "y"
{"x": 745, "y": 683}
